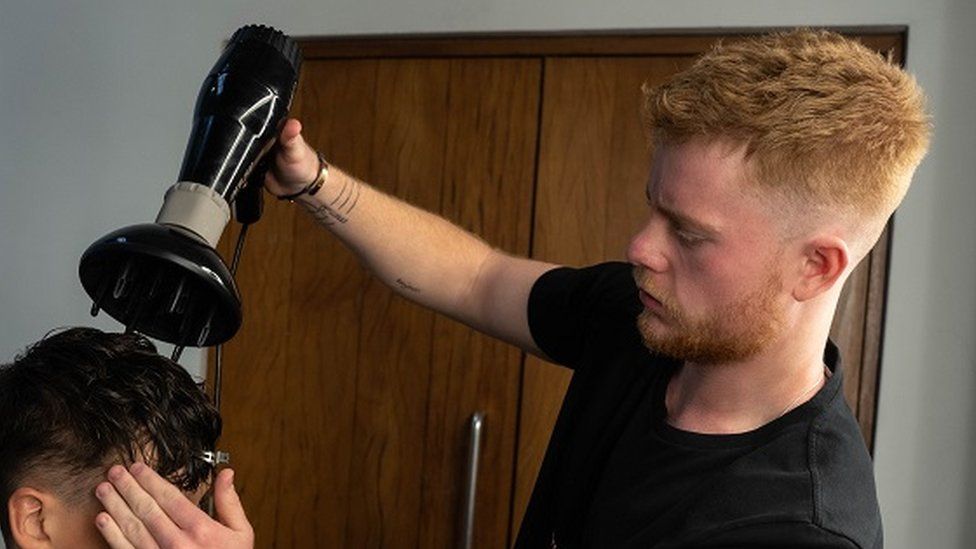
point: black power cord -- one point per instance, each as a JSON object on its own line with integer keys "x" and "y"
{"x": 218, "y": 350}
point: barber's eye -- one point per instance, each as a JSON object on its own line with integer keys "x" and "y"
{"x": 687, "y": 238}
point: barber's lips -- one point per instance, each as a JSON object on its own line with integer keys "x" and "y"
{"x": 650, "y": 303}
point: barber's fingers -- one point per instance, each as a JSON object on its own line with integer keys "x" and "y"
{"x": 111, "y": 532}
{"x": 125, "y": 529}
{"x": 293, "y": 148}
{"x": 296, "y": 162}
{"x": 230, "y": 512}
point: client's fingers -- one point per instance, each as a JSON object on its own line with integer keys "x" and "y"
{"x": 143, "y": 504}
{"x": 124, "y": 521}
{"x": 163, "y": 495}
{"x": 111, "y": 532}
{"x": 230, "y": 512}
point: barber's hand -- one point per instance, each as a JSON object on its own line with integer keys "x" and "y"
{"x": 295, "y": 163}
{"x": 145, "y": 510}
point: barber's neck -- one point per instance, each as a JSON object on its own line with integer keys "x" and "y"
{"x": 741, "y": 396}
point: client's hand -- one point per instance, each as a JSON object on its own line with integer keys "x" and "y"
{"x": 145, "y": 510}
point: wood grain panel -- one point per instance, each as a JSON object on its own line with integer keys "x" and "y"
{"x": 363, "y": 436}
{"x": 396, "y": 337}
{"x": 254, "y": 372}
{"x": 299, "y": 465}
{"x": 487, "y": 189}
{"x": 847, "y": 330}
{"x": 873, "y": 335}
{"x": 327, "y": 288}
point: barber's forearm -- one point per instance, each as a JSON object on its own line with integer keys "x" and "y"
{"x": 420, "y": 255}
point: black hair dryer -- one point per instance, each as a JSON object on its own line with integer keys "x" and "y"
{"x": 165, "y": 279}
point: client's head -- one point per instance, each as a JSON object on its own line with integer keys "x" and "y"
{"x": 77, "y": 402}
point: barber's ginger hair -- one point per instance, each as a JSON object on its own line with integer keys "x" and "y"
{"x": 827, "y": 123}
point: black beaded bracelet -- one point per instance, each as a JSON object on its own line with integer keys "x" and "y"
{"x": 315, "y": 185}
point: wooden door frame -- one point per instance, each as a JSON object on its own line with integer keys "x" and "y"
{"x": 561, "y": 44}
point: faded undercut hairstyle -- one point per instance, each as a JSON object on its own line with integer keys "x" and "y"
{"x": 80, "y": 400}
{"x": 827, "y": 124}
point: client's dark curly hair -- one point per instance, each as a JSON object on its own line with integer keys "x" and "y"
{"x": 81, "y": 399}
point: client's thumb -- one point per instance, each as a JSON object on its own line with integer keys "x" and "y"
{"x": 230, "y": 512}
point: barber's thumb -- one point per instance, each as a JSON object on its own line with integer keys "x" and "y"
{"x": 230, "y": 512}
{"x": 291, "y": 134}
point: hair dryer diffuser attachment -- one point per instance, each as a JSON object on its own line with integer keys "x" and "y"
{"x": 162, "y": 282}
{"x": 165, "y": 279}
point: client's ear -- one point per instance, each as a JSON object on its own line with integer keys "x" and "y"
{"x": 26, "y": 511}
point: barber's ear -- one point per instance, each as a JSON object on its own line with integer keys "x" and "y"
{"x": 26, "y": 511}
{"x": 824, "y": 261}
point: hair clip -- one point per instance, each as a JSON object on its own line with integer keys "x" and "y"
{"x": 215, "y": 458}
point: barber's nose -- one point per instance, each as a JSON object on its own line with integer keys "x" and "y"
{"x": 647, "y": 247}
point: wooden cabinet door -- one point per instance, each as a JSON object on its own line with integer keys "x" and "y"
{"x": 346, "y": 408}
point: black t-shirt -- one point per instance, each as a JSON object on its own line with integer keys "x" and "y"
{"x": 616, "y": 474}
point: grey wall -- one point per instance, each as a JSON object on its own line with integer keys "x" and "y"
{"x": 96, "y": 102}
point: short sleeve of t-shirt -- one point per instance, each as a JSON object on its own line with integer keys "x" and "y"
{"x": 569, "y": 307}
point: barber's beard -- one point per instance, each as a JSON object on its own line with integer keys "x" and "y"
{"x": 735, "y": 332}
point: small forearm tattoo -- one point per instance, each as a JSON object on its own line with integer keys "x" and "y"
{"x": 339, "y": 209}
{"x": 406, "y": 286}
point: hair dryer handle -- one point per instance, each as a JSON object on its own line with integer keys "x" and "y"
{"x": 249, "y": 203}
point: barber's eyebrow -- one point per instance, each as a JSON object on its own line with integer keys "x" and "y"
{"x": 680, "y": 219}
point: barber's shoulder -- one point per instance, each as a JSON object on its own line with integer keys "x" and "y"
{"x": 843, "y": 475}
